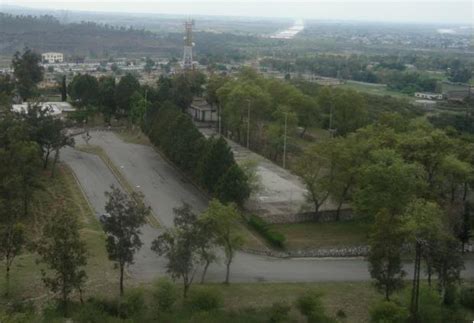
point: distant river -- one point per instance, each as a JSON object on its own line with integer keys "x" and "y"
{"x": 290, "y": 32}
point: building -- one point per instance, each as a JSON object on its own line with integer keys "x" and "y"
{"x": 429, "y": 96}
{"x": 56, "y": 109}
{"x": 202, "y": 111}
{"x": 52, "y": 57}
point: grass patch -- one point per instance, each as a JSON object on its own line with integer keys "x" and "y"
{"x": 97, "y": 150}
{"x": 330, "y": 234}
{"x": 26, "y": 281}
{"x": 133, "y": 136}
{"x": 373, "y": 89}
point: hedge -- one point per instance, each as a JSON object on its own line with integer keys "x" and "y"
{"x": 275, "y": 238}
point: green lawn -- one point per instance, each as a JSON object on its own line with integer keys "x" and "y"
{"x": 26, "y": 276}
{"x": 331, "y": 234}
{"x": 374, "y": 89}
{"x": 133, "y": 136}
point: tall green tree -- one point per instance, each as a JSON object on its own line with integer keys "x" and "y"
{"x": 317, "y": 174}
{"x": 222, "y": 221}
{"x": 28, "y": 72}
{"x": 233, "y": 186}
{"x": 386, "y": 182}
{"x": 127, "y": 85}
{"x": 122, "y": 222}
{"x": 385, "y": 259}
{"x": 180, "y": 246}
{"x": 12, "y": 241}
{"x": 64, "y": 253}
{"x": 423, "y": 224}
{"x": 84, "y": 90}
{"x": 107, "y": 102}
{"x": 215, "y": 162}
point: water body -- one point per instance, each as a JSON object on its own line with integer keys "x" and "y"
{"x": 290, "y": 32}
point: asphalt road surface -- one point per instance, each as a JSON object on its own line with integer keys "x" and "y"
{"x": 164, "y": 188}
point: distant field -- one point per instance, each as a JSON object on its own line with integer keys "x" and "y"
{"x": 377, "y": 89}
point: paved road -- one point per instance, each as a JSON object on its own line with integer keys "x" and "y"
{"x": 164, "y": 189}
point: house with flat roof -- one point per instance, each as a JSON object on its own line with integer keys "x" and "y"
{"x": 201, "y": 110}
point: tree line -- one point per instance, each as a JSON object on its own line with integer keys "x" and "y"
{"x": 413, "y": 180}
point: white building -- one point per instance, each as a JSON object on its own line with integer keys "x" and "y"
{"x": 57, "y": 109}
{"x": 52, "y": 57}
{"x": 429, "y": 96}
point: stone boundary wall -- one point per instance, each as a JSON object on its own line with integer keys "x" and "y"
{"x": 341, "y": 252}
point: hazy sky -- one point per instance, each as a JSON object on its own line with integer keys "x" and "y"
{"x": 376, "y": 10}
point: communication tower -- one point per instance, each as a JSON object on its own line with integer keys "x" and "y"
{"x": 188, "y": 45}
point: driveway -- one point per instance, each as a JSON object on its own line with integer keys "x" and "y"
{"x": 164, "y": 188}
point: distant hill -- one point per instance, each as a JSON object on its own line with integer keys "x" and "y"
{"x": 47, "y": 33}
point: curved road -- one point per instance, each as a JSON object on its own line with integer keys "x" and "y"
{"x": 164, "y": 188}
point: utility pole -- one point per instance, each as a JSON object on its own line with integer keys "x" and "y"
{"x": 284, "y": 141}
{"x": 248, "y": 124}
{"x": 219, "y": 119}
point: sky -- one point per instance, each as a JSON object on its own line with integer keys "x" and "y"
{"x": 422, "y": 11}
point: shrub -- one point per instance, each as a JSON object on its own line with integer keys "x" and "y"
{"x": 275, "y": 238}
{"x": 388, "y": 312}
{"x": 467, "y": 297}
{"x": 311, "y": 306}
{"x": 165, "y": 294}
{"x": 279, "y": 312}
{"x": 90, "y": 313}
{"x": 204, "y": 299}
{"x": 341, "y": 314}
{"x": 132, "y": 304}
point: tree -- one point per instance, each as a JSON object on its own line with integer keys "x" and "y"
{"x": 180, "y": 246}
{"x": 149, "y": 65}
{"x": 233, "y": 186}
{"x": 456, "y": 173}
{"x": 28, "y": 72}
{"x": 386, "y": 182}
{"x": 385, "y": 261}
{"x": 107, "y": 102}
{"x": 350, "y": 111}
{"x": 446, "y": 261}
{"x": 12, "y": 241}
{"x": 84, "y": 90}
{"x": 65, "y": 255}
{"x": 316, "y": 174}
{"x": 127, "y": 85}
{"x": 422, "y": 222}
{"x": 215, "y": 162}
{"x": 465, "y": 233}
{"x": 181, "y": 91}
{"x": 222, "y": 221}
{"x": 63, "y": 89}
{"x": 125, "y": 215}
{"x": 138, "y": 108}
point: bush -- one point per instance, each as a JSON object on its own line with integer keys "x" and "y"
{"x": 467, "y": 297}
{"x": 90, "y": 313}
{"x": 279, "y": 312}
{"x": 204, "y": 299}
{"x": 275, "y": 238}
{"x": 388, "y": 312}
{"x": 430, "y": 307}
{"x": 165, "y": 294}
{"x": 132, "y": 304}
{"x": 311, "y": 306}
